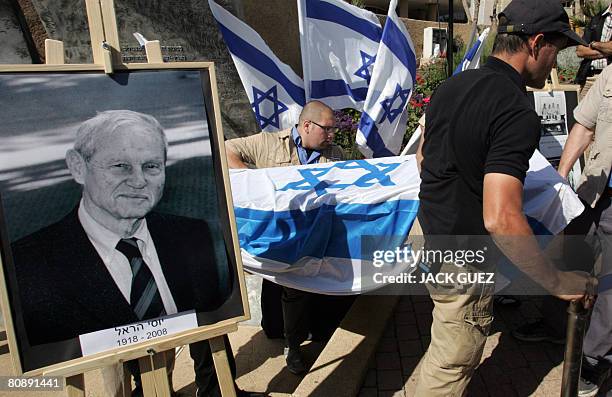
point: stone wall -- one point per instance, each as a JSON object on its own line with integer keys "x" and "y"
{"x": 185, "y": 23}
{"x": 277, "y": 23}
{"x": 14, "y": 48}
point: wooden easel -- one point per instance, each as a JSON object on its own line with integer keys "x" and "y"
{"x": 555, "y": 85}
{"x": 154, "y": 374}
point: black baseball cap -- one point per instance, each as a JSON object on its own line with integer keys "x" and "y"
{"x": 537, "y": 16}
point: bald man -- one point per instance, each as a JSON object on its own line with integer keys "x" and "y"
{"x": 309, "y": 142}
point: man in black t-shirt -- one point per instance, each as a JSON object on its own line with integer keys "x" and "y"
{"x": 480, "y": 134}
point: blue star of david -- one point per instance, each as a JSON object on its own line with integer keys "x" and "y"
{"x": 391, "y": 112}
{"x": 265, "y": 103}
{"x": 377, "y": 174}
{"x": 367, "y": 63}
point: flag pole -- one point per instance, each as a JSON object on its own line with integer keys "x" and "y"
{"x": 449, "y": 39}
{"x": 304, "y": 48}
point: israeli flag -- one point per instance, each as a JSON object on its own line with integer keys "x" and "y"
{"x": 339, "y": 43}
{"x": 549, "y": 202}
{"x": 303, "y": 226}
{"x": 308, "y": 227}
{"x": 471, "y": 60}
{"x": 383, "y": 120}
{"x": 276, "y": 93}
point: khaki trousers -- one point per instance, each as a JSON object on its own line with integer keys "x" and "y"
{"x": 461, "y": 324}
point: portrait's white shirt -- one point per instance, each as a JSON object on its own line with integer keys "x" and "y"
{"x": 105, "y": 241}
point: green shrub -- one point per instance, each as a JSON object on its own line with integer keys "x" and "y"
{"x": 347, "y": 120}
{"x": 567, "y": 74}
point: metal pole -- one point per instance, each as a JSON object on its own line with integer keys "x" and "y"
{"x": 449, "y": 39}
{"x": 576, "y": 325}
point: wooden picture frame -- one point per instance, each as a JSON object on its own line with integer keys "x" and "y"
{"x": 124, "y": 80}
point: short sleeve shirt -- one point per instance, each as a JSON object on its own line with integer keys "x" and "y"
{"x": 276, "y": 149}
{"x": 595, "y": 113}
{"x": 478, "y": 122}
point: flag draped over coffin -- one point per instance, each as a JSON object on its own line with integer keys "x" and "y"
{"x": 548, "y": 200}
{"x": 302, "y": 226}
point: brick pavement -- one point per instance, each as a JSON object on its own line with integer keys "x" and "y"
{"x": 508, "y": 367}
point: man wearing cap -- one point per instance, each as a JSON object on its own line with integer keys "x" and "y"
{"x": 481, "y": 133}
{"x": 598, "y": 53}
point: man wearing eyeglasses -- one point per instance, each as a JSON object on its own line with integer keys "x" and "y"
{"x": 113, "y": 260}
{"x": 309, "y": 142}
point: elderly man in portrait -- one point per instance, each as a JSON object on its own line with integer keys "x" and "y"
{"x": 113, "y": 260}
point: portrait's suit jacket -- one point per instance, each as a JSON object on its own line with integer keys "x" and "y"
{"x": 65, "y": 289}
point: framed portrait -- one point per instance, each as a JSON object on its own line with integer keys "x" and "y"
{"x": 117, "y": 229}
{"x": 556, "y": 112}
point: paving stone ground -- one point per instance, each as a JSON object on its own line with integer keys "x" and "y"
{"x": 508, "y": 367}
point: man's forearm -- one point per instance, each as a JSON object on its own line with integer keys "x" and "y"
{"x": 588, "y": 53}
{"x": 504, "y": 220}
{"x": 419, "y": 153}
{"x": 515, "y": 239}
{"x": 578, "y": 141}
{"x": 604, "y": 47}
{"x": 234, "y": 160}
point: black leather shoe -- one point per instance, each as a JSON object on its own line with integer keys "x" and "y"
{"x": 295, "y": 363}
{"x": 592, "y": 377}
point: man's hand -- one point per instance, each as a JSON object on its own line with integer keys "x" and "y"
{"x": 576, "y": 286}
{"x": 588, "y": 52}
{"x": 505, "y": 221}
{"x": 604, "y": 47}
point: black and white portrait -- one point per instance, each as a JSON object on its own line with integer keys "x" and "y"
{"x": 551, "y": 108}
{"x": 111, "y": 206}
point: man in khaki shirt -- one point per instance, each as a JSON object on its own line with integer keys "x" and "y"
{"x": 594, "y": 127}
{"x": 309, "y": 142}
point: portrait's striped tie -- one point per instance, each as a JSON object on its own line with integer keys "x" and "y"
{"x": 145, "y": 299}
